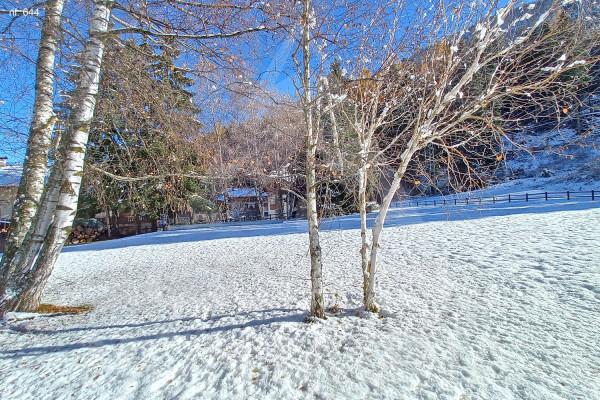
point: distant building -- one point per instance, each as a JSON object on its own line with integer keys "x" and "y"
{"x": 244, "y": 203}
{"x": 248, "y": 204}
{"x": 10, "y": 176}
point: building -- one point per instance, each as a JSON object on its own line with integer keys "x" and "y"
{"x": 243, "y": 204}
{"x": 247, "y": 204}
{"x": 10, "y": 176}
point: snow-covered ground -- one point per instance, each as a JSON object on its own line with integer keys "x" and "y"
{"x": 554, "y": 160}
{"x": 493, "y": 302}
{"x": 562, "y": 154}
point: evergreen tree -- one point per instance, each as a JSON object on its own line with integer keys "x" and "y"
{"x": 145, "y": 126}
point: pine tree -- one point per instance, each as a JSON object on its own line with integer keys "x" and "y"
{"x": 145, "y": 126}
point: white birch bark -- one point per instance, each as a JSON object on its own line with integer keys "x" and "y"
{"x": 317, "y": 302}
{"x": 364, "y": 135}
{"x": 369, "y": 289}
{"x": 362, "y": 209}
{"x": 40, "y": 136}
{"x": 60, "y": 200}
{"x": 366, "y": 122}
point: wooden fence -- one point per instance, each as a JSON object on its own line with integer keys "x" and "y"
{"x": 591, "y": 195}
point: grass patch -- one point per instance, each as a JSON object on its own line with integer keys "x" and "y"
{"x": 54, "y": 309}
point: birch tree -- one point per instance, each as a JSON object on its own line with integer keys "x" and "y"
{"x": 32, "y": 264}
{"x": 325, "y": 33}
{"x": 473, "y": 59}
{"x": 40, "y": 136}
{"x": 317, "y": 301}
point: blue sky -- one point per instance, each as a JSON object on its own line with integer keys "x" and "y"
{"x": 16, "y": 83}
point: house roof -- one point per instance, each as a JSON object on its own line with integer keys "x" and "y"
{"x": 240, "y": 192}
{"x": 10, "y": 175}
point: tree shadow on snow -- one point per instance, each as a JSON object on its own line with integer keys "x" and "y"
{"x": 290, "y": 316}
{"x": 396, "y": 217}
{"x": 20, "y": 329}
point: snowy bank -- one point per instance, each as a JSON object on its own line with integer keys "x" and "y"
{"x": 494, "y": 303}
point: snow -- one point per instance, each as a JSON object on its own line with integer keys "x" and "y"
{"x": 491, "y": 302}
{"x": 21, "y": 316}
{"x": 478, "y": 301}
{"x": 551, "y": 161}
{"x": 571, "y": 159}
{"x": 575, "y": 63}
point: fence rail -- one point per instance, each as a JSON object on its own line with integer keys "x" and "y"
{"x": 507, "y": 198}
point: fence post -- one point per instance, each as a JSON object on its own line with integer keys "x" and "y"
{"x": 592, "y": 195}
{"x": 467, "y": 201}
{"x": 526, "y": 196}
{"x": 546, "y": 195}
{"x": 568, "y": 195}
{"x": 445, "y": 199}
{"x": 454, "y": 201}
{"x": 509, "y": 198}
{"x": 494, "y": 199}
{"x": 434, "y": 203}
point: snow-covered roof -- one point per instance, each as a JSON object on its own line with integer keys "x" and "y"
{"x": 10, "y": 175}
{"x": 240, "y": 192}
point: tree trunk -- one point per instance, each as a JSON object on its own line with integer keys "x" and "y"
{"x": 369, "y": 291}
{"x": 20, "y": 265}
{"x": 259, "y": 203}
{"x": 317, "y": 306}
{"x": 41, "y": 250}
{"x": 364, "y": 136}
{"x": 40, "y": 137}
{"x": 108, "y": 224}
{"x": 362, "y": 208}
{"x": 317, "y": 302}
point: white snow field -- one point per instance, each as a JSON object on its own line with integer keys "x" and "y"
{"x": 478, "y": 303}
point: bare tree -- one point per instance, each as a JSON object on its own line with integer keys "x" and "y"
{"x": 469, "y": 74}
{"x": 325, "y": 34}
{"x": 261, "y": 148}
{"x": 145, "y": 125}
{"x": 317, "y": 301}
